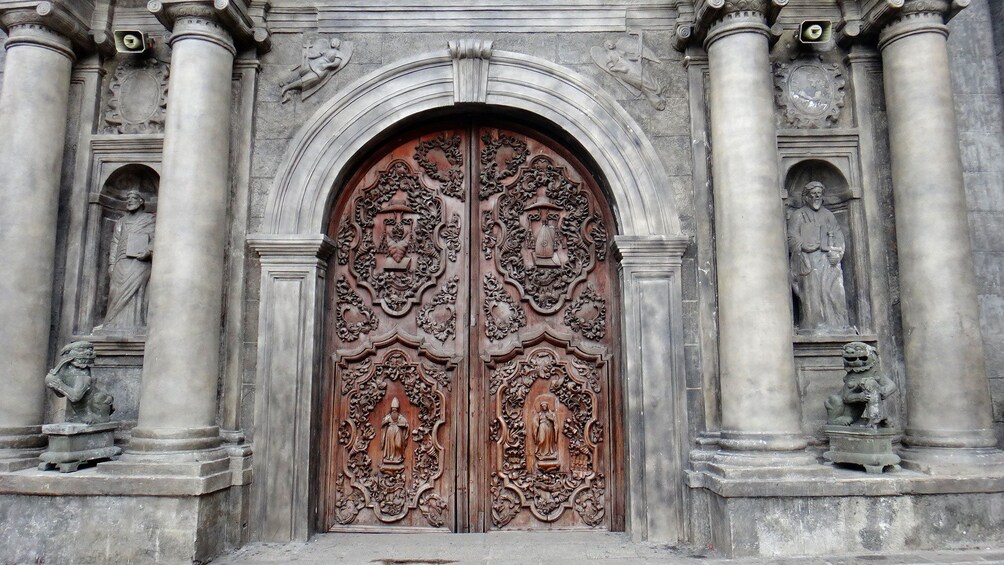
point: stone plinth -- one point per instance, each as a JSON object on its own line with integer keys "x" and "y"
{"x": 72, "y": 445}
{"x": 867, "y": 447}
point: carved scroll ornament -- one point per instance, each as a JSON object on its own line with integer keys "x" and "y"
{"x": 809, "y": 93}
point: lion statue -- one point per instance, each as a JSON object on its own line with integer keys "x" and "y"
{"x": 71, "y": 378}
{"x": 862, "y": 401}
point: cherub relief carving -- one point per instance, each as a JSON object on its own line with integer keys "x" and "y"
{"x": 625, "y": 60}
{"x": 321, "y": 60}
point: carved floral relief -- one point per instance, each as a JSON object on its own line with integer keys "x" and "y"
{"x": 809, "y": 93}
{"x": 138, "y": 101}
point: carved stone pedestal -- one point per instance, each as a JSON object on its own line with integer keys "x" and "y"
{"x": 72, "y": 445}
{"x": 867, "y": 447}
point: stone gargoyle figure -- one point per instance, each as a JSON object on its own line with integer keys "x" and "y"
{"x": 71, "y": 378}
{"x": 863, "y": 400}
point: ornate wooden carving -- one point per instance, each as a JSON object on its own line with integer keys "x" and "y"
{"x": 515, "y": 437}
{"x": 398, "y": 472}
{"x": 537, "y": 391}
{"x": 352, "y": 317}
{"x": 587, "y": 315}
{"x": 452, "y": 178}
{"x": 492, "y": 171}
{"x": 543, "y": 250}
{"x": 397, "y": 257}
{"x": 439, "y": 317}
{"x": 503, "y": 315}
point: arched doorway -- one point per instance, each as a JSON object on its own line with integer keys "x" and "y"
{"x": 471, "y": 317}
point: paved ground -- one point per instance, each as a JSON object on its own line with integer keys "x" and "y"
{"x": 537, "y": 548}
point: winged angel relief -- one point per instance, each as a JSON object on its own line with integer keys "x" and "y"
{"x": 321, "y": 60}
{"x": 626, "y": 59}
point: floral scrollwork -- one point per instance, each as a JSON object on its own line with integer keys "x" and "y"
{"x": 451, "y": 235}
{"x": 588, "y": 314}
{"x": 505, "y": 502}
{"x": 347, "y": 504}
{"x": 503, "y": 315}
{"x": 452, "y": 179}
{"x": 589, "y": 502}
{"x": 352, "y": 317}
{"x": 439, "y": 317}
{"x": 488, "y": 240}
{"x": 433, "y": 508}
{"x": 492, "y": 172}
{"x": 343, "y": 241}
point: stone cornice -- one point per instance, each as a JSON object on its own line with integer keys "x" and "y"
{"x": 867, "y": 19}
{"x": 69, "y": 19}
{"x": 700, "y": 19}
{"x": 232, "y": 16}
{"x": 269, "y": 246}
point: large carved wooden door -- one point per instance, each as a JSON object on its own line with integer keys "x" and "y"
{"x": 470, "y": 324}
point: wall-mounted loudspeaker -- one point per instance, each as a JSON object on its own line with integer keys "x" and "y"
{"x": 815, "y": 31}
{"x": 131, "y": 41}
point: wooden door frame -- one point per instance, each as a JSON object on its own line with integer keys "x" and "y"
{"x": 293, "y": 252}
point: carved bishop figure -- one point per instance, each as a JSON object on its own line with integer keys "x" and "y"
{"x": 394, "y": 437}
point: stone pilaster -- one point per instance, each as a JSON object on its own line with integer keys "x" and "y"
{"x": 761, "y": 410}
{"x": 33, "y": 115}
{"x": 949, "y": 420}
{"x": 654, "y": 384}
{"x": 181, "y": 366}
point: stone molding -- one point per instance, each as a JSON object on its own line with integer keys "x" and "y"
{"x": 39, "y": 20}
{"x": 284, "y": 249}
{"x": 701, "y": 22}
{"x": 884, "y": 18}
{"x": 650, "y": 251}
{"x": 318, "y": 155}
{"x": 192, "y": 27}
{"x": 231, "y": 16}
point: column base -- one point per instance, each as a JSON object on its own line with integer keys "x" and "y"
{"x": 174, "y": 440}
{"x": 762, "y": 465}
{"x": 20, "y": 447}
{"x": 954, "y": 461}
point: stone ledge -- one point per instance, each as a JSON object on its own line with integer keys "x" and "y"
{"x": 835, "y": 481}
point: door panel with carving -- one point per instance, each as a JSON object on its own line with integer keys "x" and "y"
{"x": 470, "y": 322}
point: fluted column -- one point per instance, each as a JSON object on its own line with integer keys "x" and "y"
{"x": 761, "y": 410}
{"x": 33, "y": 114}
{"x": 948, "y": 401}
{"x": 182, "y": 360}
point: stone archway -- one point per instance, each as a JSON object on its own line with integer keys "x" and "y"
{"x": 293, "y": 253}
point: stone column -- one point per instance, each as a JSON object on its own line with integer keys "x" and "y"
{"x": 33, "y": 114}
{"x": 761, "y": 409}
{"x": 181, "y": 366}
{"x": 948, "y": 401}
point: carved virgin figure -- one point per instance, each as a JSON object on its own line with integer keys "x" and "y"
{"x": 816, "y": 247}
{"x": 71, "y": 378}
{"x": 129, "y": 265}
{"x": 545, "y": 436}
{"x": 394, "y": 437}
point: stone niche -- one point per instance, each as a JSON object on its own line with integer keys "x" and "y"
{"x": 119, "y": 350}
{"x": 831, "y": 160}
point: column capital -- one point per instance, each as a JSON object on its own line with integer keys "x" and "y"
{"x": 887, "y": 18}
{"x": 229, "y": 18}
{"x": 650, "y": 250}
{"x": 291, "y": 247}
{"x": 704, "y": 21}
{"x": 60, "y": 25}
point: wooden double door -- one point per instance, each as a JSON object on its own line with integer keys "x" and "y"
{"x": 471, "y": 315}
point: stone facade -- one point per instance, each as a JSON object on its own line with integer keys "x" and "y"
{"x": 242, "y": 121}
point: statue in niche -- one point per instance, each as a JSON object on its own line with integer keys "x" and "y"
{"x": 863, "y": 399}
{"x": 393, "y": 437}
{"x": 625, "y": 60}
{"x": 816, "y": 247}
{"x": 71, "y": 379}
{"x": 129, "y": 267}
{"x": 321, "y": 60}
{"x": 545, "y": 437}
